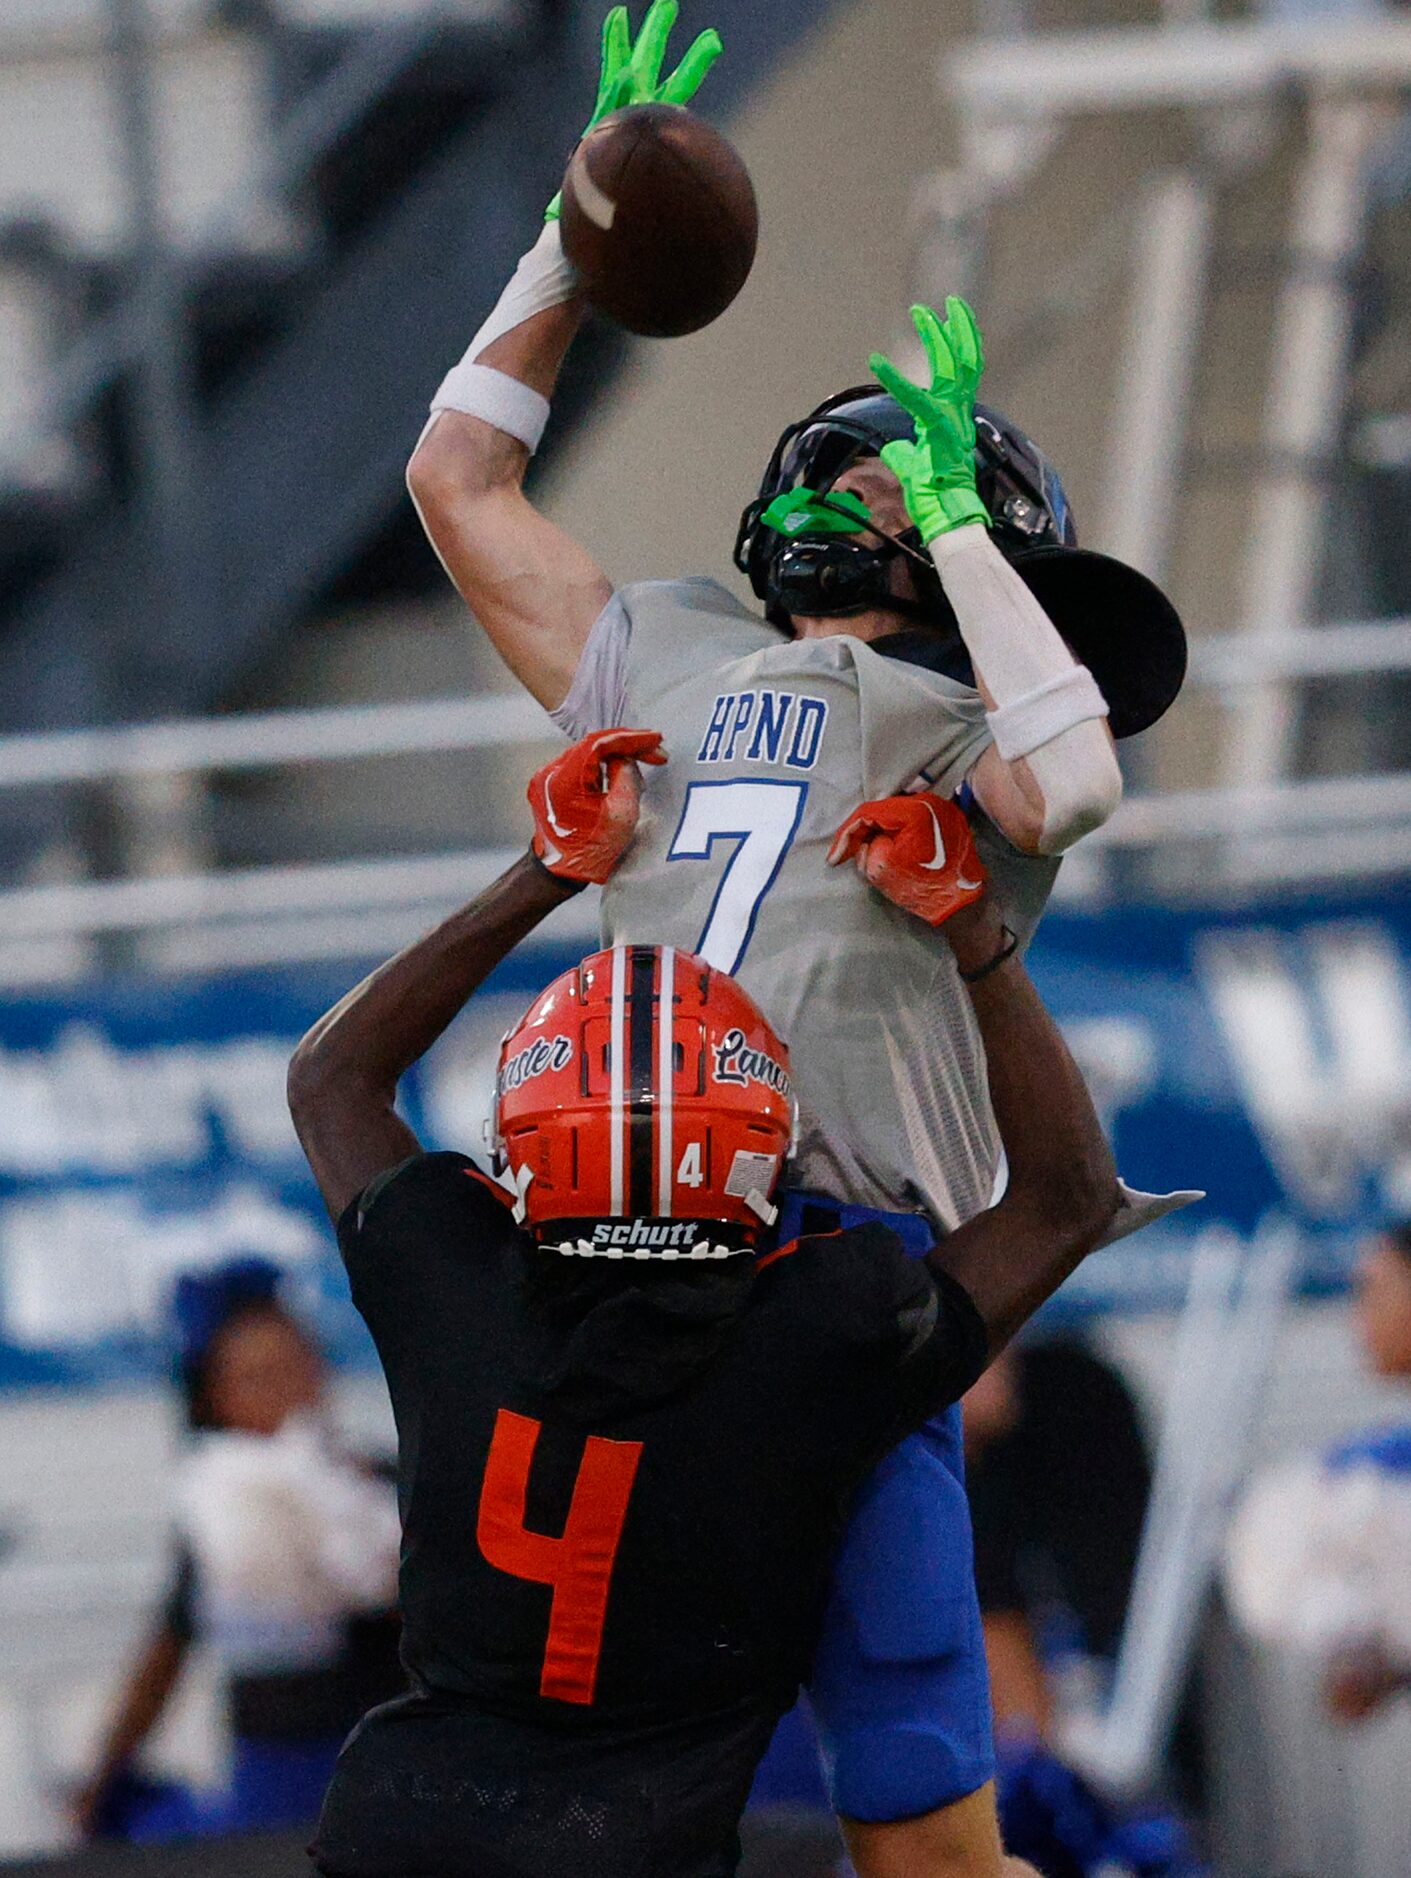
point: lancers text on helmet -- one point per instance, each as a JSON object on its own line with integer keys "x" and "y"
{"x": 736, "y": 1062}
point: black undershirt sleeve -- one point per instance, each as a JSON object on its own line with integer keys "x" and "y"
{"x": 920, "y": 1337}
{"x": 944, "y": 1344}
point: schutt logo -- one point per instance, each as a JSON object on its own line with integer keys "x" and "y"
{"x": 645, "y": 1232}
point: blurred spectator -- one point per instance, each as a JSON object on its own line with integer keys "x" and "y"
{"x": 286, "y": 1568}
{"x": 1058, "y": 1478}
{"x": 1319, "y": 1554}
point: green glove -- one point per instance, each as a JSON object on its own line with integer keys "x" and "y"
{"x": 937, "y": 472}
{"x": 632, "y": 74}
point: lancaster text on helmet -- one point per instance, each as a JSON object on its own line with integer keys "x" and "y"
{"x": 534, "y": 1059}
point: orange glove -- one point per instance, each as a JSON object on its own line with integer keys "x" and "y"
{"x": 585, "y": 803}
{"x": 917, "y": 850}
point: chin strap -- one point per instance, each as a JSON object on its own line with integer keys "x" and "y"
{"x": 843, "y": 506}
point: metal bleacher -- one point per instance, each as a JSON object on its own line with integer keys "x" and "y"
{"x": 238, "y": 244}
{"x": 303, "y": 169}
{"x": 236, "y": 247}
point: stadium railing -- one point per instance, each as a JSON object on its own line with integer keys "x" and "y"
{"x": 1194, "y": 843}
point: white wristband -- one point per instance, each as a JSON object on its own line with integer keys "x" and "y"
{"x": 1026, "y": 723}
{"x": 543, "y": 279}
{"x": 481, "y": 391}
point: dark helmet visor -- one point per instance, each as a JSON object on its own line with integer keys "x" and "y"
{"x": 819, "y": 454}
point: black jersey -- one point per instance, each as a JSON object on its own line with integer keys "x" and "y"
{"x": 619, "y": 1524}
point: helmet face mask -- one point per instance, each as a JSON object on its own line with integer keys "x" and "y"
{"x": 1117, "y": 622}
{"x": 631, "y": 1136}
{"x": 830, "y": 576}
{"x": 826, "y": 575}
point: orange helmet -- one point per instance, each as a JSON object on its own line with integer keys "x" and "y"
{"x": 631, "y": 1138}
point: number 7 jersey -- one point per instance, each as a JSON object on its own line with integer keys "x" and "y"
{"x": 772, "y": 743}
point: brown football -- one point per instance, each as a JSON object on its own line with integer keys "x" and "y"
{"x": 659, "y": 218}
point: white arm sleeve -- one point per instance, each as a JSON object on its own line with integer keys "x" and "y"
{"x": 544, "y": 278}
{"x": 597, "y": 698}
{"x": 1047, "y": 708}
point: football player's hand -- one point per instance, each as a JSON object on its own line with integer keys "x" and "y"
{"x": 937, "y": 472}
{"x": 585, "y": 803}
{"x": 631, "y": 74}
{"x": 916, "y": 850}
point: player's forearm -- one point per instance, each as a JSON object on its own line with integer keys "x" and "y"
{"x": 1062, "y": 1190}
{"x": 153, "y": 1678}
{"x": 1054, "y": 774}
{"x": 534, "y": 351}
{"x": 1019, "y": 1692}
{"x": 461, "y": 452}
{"x": 532, "y": 588}
{"x": 343, "y": 1077}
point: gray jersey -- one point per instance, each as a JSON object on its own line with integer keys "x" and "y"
{"x": 773, "y": 742}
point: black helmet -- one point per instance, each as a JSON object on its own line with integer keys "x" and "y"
{"x": 1103, "y": 609}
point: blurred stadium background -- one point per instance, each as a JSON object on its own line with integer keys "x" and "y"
{"x": 248, "y": 744}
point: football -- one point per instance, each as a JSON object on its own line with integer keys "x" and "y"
{"x": 659, "y": 218}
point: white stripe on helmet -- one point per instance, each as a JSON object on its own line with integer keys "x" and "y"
{"x": 666, "y": 1079}
{"x": 617, "y": 1056}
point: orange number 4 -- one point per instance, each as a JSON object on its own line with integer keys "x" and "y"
{"x": 579, "y": 1564}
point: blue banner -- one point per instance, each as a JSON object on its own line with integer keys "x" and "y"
{"x": 144, "y": 1133}
{"x": 1264, "y": 1055}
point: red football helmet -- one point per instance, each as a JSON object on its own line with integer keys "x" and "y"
{"x": 628, "y": 1137}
